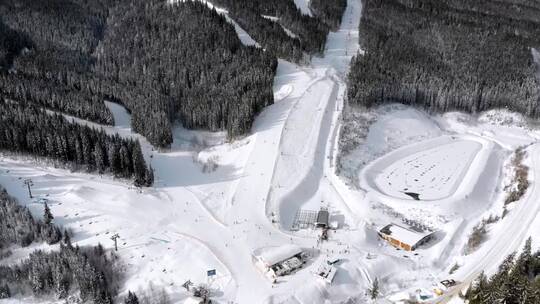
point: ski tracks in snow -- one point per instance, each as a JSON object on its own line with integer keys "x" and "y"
{"x": 515, "y": 233}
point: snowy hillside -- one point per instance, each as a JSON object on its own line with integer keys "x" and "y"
{"x": 232, "y": 206}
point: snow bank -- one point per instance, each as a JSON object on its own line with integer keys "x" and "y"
{"x": 303, "y": 5}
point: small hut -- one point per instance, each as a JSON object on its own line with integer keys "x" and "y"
{"x": 279, "y": 261}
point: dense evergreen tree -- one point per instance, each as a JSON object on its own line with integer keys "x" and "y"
{"x": 329, "y": 11}
{"x": 63, "y": 272}
{"x": 88, "y": 271}
{"x": 149, "y": 176}
{"x": 516, "y": 281}
{"x": 252, "y": 15}
{"x": 30, "y": 130}
{"x": 47, "y": 215}
{"x": 448, "y": 55}
{"x": 49, "y": 47}
{"x": 17, "y": 226}
{"x": 131, "y": 298}
{"x": 195, "y": 69}
{"x": 4, "y": 291}
{"x": 163, "y": 62}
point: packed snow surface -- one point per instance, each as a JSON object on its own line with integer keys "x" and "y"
{"x": 122, "y": 119}
{"x": 432, "y": 172}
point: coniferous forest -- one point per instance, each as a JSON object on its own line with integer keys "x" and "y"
{"x": 253, "y": 16}
{"x": 448, "y": 55}
{"x": 163, "y": 62}
{"x": 329, "y": 11}
{"x": 87, "y": 272}
{"x": 19, "y": 227}
{"x": 516, "y": 282}
{"x": 27, "y": 129}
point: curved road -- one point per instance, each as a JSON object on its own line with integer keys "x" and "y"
{"x": 517, "y": 224}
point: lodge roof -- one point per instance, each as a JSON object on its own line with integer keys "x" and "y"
{"x": 273, "y": 255}
{"x": 403, "y": 234}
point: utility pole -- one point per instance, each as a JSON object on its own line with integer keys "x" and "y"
{"x": 114, "y": 238}
{"x": 28, "y": 182}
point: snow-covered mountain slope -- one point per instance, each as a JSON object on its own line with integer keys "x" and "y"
{"x": 210, "y": 220}
{"x": 406, "y": 163}
{"x": 215, "y": 203}
{"x": 244, "y": 37}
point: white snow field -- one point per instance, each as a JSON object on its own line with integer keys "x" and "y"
{"x": 427, "y": 171}
{"x": 216, "y": 203}
{"x": 465, "y": 158}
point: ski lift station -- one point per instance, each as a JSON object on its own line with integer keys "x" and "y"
{"x": 279, "y": 261}
{"x": 322, "y": 218}
{"x": 405, "y": 238}
{"x": 305, "y": 219}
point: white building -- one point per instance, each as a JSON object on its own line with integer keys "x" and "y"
{"x": 278, "y": 261}
{"x": 326, "y": 271}
{"x": 405, "y": 238}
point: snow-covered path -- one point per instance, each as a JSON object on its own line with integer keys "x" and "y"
{"x": 302, "y": 125}
{"x": 515, "y": 231}
{"x": 309, "y": 132}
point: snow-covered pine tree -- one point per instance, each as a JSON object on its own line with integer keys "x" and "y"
{"x": 47, "y": 215}
{"x": 131, "y": 298}
{"x": 4, "y": 291}
{"x": 139, "y": 166}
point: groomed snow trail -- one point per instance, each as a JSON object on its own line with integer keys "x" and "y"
{"x": 181, "y": 206}
{"x": 217, "y": 219}
{"x": 244, "y": 37}
{"x": 301, "y": 174}
{"x": 303, "y": 121}
{"x": 516, "y": 229}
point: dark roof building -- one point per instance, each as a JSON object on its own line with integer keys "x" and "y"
{"x": 322, "y": 218}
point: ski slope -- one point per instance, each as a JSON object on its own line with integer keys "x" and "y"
{"x": 196, "y": 219}
{"x": 514, "y": 230}
{"x": 192, "y": 221}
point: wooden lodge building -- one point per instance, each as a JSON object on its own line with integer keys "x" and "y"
{"x": 405, "y": 238}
